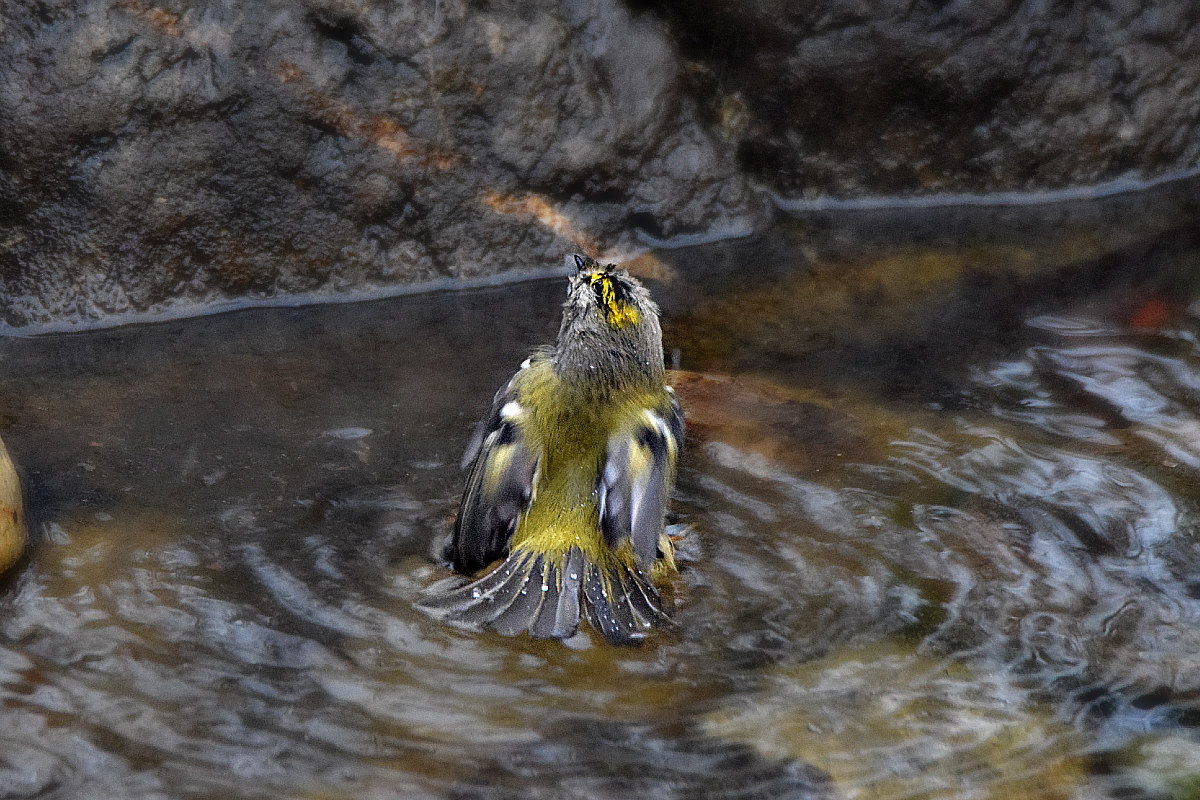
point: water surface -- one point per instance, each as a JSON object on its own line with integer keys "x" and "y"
{"x": 941, "y": 478}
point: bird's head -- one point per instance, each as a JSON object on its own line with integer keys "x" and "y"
{"x": 610, "y": 323}
{"x": 608, "y": 294}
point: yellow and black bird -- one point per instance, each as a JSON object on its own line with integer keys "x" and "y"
{"x": 569, "y": 476}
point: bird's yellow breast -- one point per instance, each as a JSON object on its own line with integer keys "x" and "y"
{"x": 572, "y": 431}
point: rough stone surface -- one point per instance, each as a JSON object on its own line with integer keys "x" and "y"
{"x": 900, "y": 97}
{"x": 178, "y": 155}
{"x": 196, "y": 152}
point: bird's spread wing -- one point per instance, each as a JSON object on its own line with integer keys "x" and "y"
{"x": 639, "y": 469}
{"x": 503, "y": 471}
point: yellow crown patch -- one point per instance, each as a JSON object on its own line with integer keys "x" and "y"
{"x": 610, "y": 294}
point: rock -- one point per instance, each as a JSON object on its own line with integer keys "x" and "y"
{"x": 169, "y": 157}
{"x": 845, "y": 98}
{"x": 179, "y": 156}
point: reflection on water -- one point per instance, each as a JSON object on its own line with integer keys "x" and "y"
{"x": 885, "y": 721}
{"x": 946, "y": 523}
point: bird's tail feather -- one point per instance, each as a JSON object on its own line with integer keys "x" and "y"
{"x": 543, "y": 593}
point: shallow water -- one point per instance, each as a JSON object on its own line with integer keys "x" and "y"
{"x": 941, "y": 477}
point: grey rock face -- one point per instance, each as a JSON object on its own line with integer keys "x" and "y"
{"x": 174, "y": 156}
{"x": 849, "y": 98}
{"x": 190, "y": 153}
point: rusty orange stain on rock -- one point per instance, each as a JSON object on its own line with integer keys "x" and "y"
{"x": 287, "y": 72}
{"x": 377, "y": 128}
{"x": 388, "y": 134}
{"x": 160, "y": 19}
{"x": 541, "y": 210}
{"x": 651, "y": 267}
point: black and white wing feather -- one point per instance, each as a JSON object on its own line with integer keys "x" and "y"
{"x": 500, "y": 485}
{"x": 639, "y": 470}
